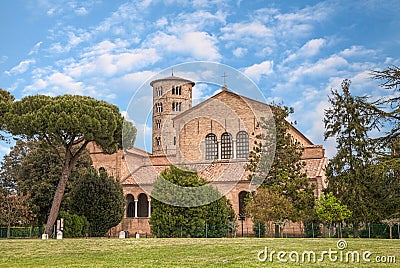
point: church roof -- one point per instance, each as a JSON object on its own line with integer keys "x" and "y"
{"x": 219, "y": 171}
{"x": 137, "y": 151}
{"x": 173, "y": 78}
{"x": 315, "y": 168}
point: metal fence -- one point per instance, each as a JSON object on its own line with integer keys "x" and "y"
{"x": 369, "y": 230}
{"x": 20, "y": 232}
{"x": 310, "y": 230}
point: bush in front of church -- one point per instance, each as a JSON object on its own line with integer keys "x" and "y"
{"x": 74, "y": 225}
{"x": 99, "y": 197}
{"x": 210, "y": 220}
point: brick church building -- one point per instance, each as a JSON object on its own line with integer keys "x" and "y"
{"x": 213, "y": 137}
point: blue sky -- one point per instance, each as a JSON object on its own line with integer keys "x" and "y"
{"x": 294, "y": 51}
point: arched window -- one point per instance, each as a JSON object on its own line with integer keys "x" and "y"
{"x": 143, "y": 206}
{"x": 159, "y": 91}
{"x": 242, "y": 203}
{"x": 159, "y": 107}
{"x": 176, "y": 106}
{"x": 130, "y": 206}
{"x": 242, "y": 144}
{"x": 211, "y": 147}
{"x": 226, "y": 146}
{"x": 158, "y": 141}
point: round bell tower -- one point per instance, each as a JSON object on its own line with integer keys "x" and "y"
{"x": 171, "y": 95}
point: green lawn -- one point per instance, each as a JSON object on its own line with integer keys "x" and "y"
{"x": 228, "y": 252}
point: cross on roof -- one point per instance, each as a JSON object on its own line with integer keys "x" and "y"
{"x": 224, "y": 76}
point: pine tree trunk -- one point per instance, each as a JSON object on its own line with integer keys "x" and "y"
{"x": 8, "y": 231}
{"x": 58, "y": 196}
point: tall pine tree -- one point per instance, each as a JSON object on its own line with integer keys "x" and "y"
{"x": 348, "y": 173}
{"x": 286, "y": 175}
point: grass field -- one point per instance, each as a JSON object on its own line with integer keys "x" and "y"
{"x": 228, "y": 252}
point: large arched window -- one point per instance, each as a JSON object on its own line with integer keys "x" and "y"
{"x": 130, "y": 206}
{"x": 211, "y": 147}
{"x": 242, "y": 144}
{"x": 143, "y": 205}
{"x": 226, "y": 146}
{"x": 242, "y": 203}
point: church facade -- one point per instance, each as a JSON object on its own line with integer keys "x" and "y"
{"x": 214, "y": 137}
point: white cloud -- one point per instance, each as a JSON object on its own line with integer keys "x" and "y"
{"x": 125, "y": 14}
{"x": 257, "y": 70}
{"x": 327, "y": 67}
{"x": 57, "y": 48}
{"x": 358, "y": 51}
{"x": 104, "y": 47}
{"x": 309, "y": 49}
{"x": 301, "y": 22}
{"x": 239, "y": 52}
{"x": 198, "y": 21}
{"x": 144, "y": 4}
{"x": 131, "y": 82}
{"x": 22, "y": 67}
{"x": 74, "y": 40}
{"x": 247, "y": 32}
{"x": 253, "y": 35}
{"x": 3, "y": 59}
{"x": 81, "y": 11}
{"x": 198, "y": 45}
{"x": 35, "y": 48}
{"x": 55, "y": 84}
{"x": 107, "y": 59}
{"x": 54, "y": 11}
{"x": 161, "y": 23}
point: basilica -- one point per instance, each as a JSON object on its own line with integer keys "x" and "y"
{"x": 213, "y": 137}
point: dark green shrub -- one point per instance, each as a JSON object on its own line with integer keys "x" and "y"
{"x": 74, "y": 225}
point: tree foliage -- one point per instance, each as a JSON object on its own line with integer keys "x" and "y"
{"x": 67, "y": 122}
{"x": 386, "y": 112}
{"x": 266, "y": 206}
{"x": 346, "y": 172}
{"x": 6, "y": 99}
{"x": 330, "y": 210}
{"x": 74, "y": 225}
{"x": 356, "y": 174}
{"x": 98, "y": 197}
{"x": 14, "y": 210}
{"x": 173, "y": 221}
{"x": 286, "y": 175}
{"x": 33, "y": 167}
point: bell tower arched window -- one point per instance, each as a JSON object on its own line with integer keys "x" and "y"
{"x": 159, "y": 107}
